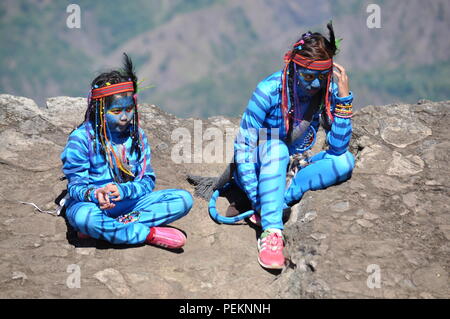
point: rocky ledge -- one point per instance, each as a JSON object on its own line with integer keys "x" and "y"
{"x": 383, "y": 234}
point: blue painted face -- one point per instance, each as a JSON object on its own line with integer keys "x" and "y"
{"x": 311, "y": 81}
{"x": 120, "y": 113}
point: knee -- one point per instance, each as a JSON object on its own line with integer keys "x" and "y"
{"x": 187, "y": 199}
{"x": 274, "y": 149}
{"x": 80, "y": 215}
{"x": 345, "y": 164}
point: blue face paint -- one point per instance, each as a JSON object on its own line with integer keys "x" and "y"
{"x": 120, "y": 114}
{"x": 311, "y": 81}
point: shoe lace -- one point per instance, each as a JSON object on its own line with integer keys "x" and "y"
{"x": 273, "y": 241}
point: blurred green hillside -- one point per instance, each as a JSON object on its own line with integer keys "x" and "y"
{"x": 205, "y": 57}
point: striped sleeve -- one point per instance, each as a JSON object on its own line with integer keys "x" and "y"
{"x": 339, "y": 136}
{"x": 247, "y": 139}
{"x": 76, "y": 165}
{"x": 141, "y": 185}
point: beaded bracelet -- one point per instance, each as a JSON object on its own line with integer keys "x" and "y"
{"x": 87, "y": 195}
{"x": 344, "y": 106}
{"x": 343, "y": 110}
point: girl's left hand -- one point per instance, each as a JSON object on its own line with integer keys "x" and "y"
{"x": 342, "y": 77}
{"x": 113, "y": 192}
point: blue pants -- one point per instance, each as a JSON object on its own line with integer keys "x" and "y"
{"x": 154, "y": 209}
{"x": 325, "y": 169}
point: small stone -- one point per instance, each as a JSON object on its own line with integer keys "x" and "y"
{"x": 364, "y": 223}
{"x": 19, "y": 275}
{"x": 348, "y": 277}
{"x": 309, "y": 216}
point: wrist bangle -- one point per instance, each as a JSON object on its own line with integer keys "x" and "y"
{"x": 87, "y": 195}
{"x": 343, "y": 111}
{"x": 343, "y": 106}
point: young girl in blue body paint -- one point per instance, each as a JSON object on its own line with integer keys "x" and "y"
{"x": 110, "y": 177}
{"x": 281, "y": 120}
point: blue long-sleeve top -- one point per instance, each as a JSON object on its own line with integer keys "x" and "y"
{"x": 85, "y": 168}
{"x": 264, "y": 112}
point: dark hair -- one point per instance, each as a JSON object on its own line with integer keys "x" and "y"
{"x": 125, "y": 74}
{"x": 93, "y": 112}
{"x": 315, "y": 46}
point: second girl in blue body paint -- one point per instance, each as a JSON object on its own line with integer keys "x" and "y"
{"x": 293, "y": 102}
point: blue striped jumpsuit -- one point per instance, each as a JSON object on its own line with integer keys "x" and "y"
{"x": 262, "y": 161}
{"x": 87, "y": 169}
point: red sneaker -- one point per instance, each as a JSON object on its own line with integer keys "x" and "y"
{"x": 166, "y": 237}
{"x": 270, "y": 247}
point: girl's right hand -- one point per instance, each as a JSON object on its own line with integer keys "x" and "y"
{"x": 103, "y": 199}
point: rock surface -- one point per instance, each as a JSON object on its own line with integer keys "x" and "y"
{"x": 383, "y": 234}
{"x": 388, "y": 223}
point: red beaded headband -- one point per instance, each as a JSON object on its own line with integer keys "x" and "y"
{"x": 298, "y": 59}
{"x": 112, "y": 89}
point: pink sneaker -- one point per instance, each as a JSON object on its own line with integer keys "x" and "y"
{"x": 270, "y": 247}
{"x": 166, "y": 237}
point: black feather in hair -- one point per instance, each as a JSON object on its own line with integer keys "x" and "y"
{"x": 128, "y": 69}
{"x": 332, "y": 36}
